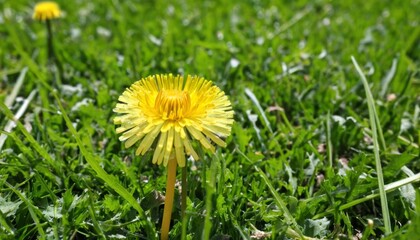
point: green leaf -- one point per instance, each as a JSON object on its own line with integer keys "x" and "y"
{"x": 316, "y": 228}
{"x": 111, "y": 203}
{"x": 396, "y": 162}
{"x": 8, "y": 208}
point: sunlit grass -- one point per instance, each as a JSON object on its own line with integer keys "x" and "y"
{"x": 304, "y": 159}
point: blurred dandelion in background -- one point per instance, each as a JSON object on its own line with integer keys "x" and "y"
{"x": 46, "y": 11}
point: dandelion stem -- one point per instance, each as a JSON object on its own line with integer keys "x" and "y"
{"x": 184, "y": 202}
{"x": 184, "y": 192}
{"x": 50, "y": 46}
{"x": 169, "y": 199}
{"x": 52, "y": 58}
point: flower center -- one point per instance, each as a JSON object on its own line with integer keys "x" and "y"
{"x": 172, "y": 104}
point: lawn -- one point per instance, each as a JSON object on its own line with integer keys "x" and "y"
{"x": 325, "y": 143}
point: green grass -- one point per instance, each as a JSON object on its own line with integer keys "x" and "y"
{"x": 310, "y": 144}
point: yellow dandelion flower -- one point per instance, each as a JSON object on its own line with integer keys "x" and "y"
{"x": 170, "y": 112}
{"x": 46, "y": 11}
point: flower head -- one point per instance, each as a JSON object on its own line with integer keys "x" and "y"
{"x": 46, "y": 10}
{"x": 174, "y": 111}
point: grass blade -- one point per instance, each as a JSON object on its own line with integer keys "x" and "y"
{"x": 5, "y": 225}
{"x": 329, "y": 143}
{"x": 287, "y": 215}
{"x": 12, "y": 96}
{"x": 388, "y": 78}
{"x": 33, "y": 143}
{"x": 93, "y": 161}
{"x": 210, "y": 189}
{"x": 374, "y": 122}
{"x": 279, "y": 202}
{"x": 33, "y": 210}
{"x": 388, "y": 188}
{"x": 254, "y": 99}
{"x": 10, "y": 124}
